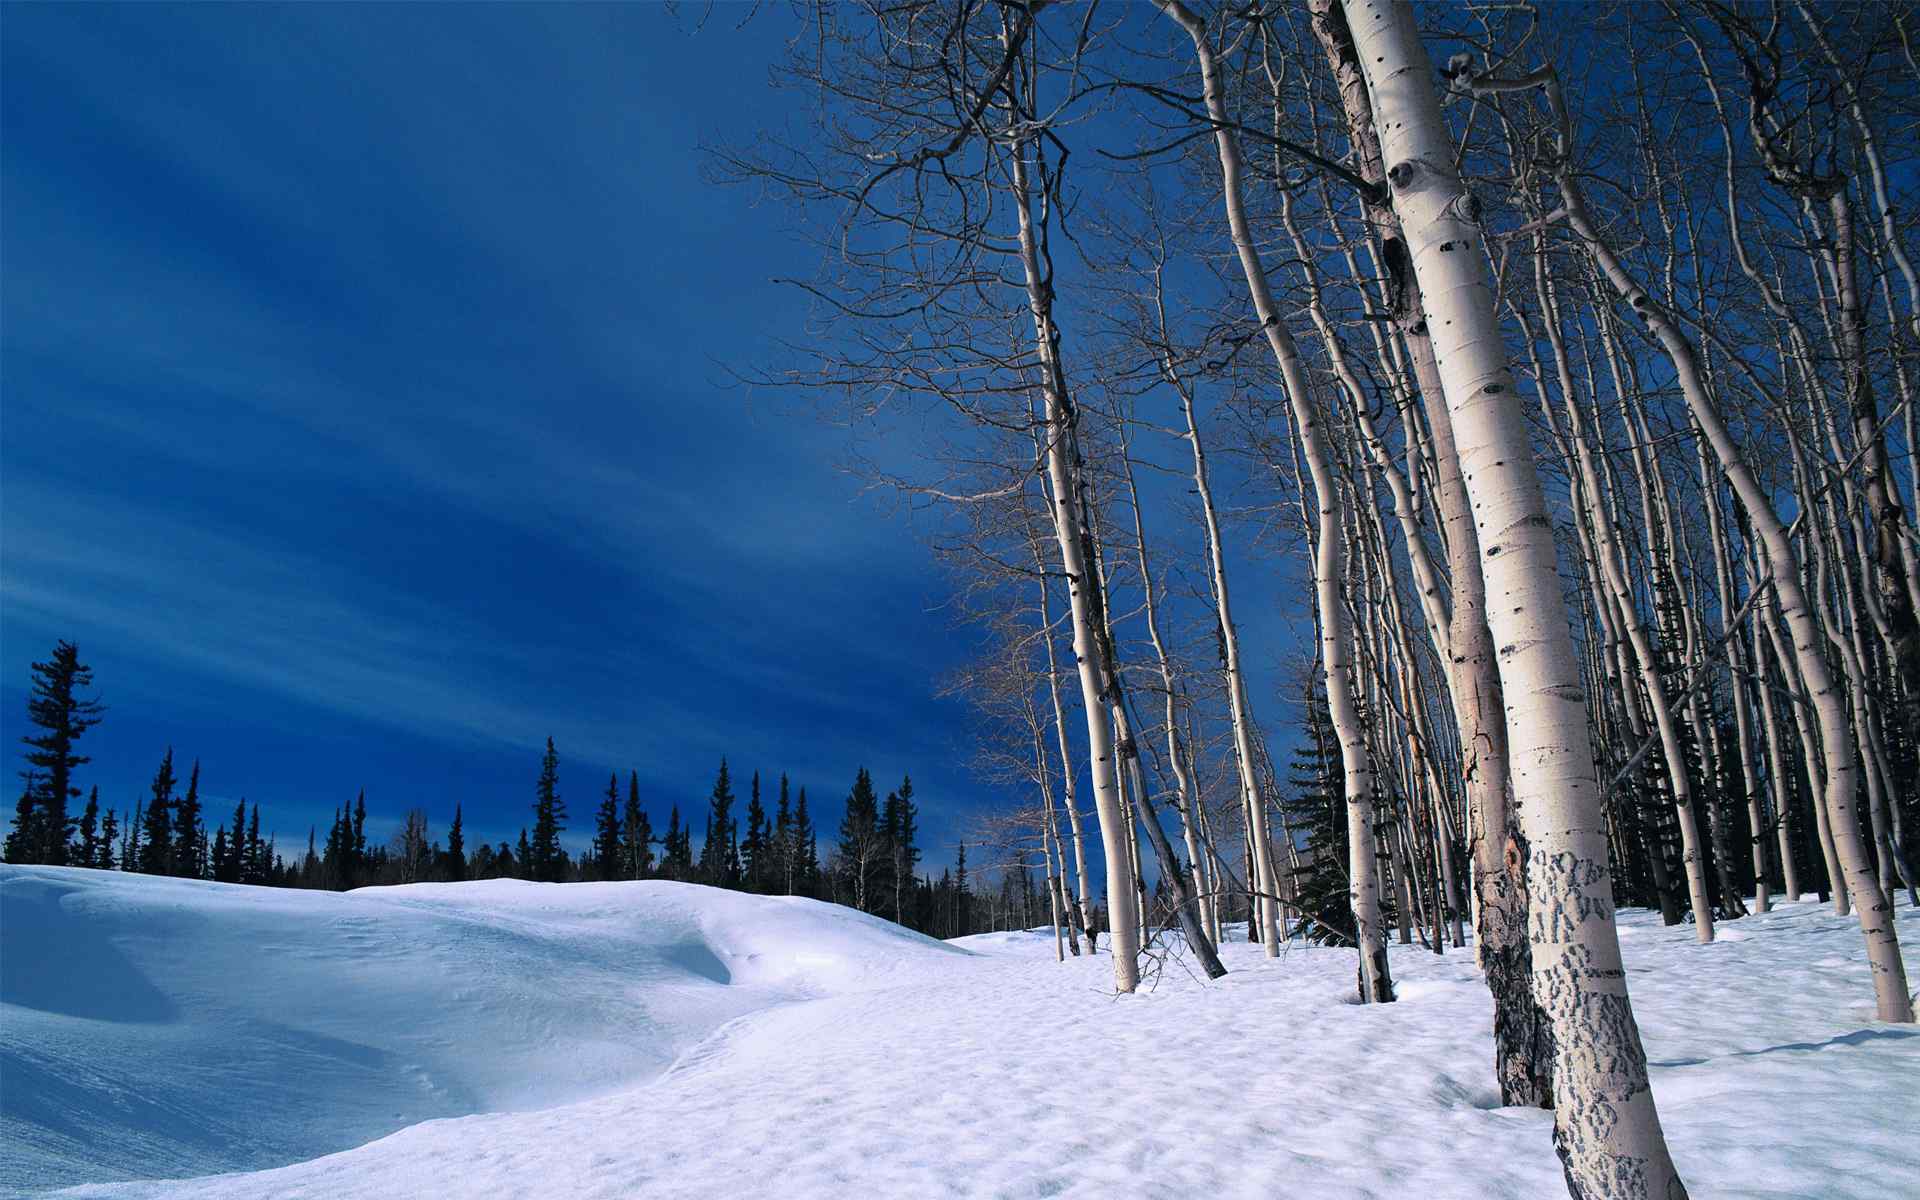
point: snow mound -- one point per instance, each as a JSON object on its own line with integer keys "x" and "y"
{"x": 165, "y": 1027}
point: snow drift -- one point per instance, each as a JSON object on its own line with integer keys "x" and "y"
{"x": 670, "y": 1041}
{"x": 165, "y": 1027}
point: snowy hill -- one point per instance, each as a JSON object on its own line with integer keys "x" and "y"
{"x": 664, "y": 1041}
{"x": 164, "y": 1027}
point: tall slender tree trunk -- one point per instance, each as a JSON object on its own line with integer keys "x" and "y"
{"x": 1891, "y": 1000}
{"x": 1523, "y": 1049}
{"x": 1336, "y": 643}
{"x": 1267, "y": 882}
{"x": 1083, "y": 589}
{"x": 1606, "y": 1128}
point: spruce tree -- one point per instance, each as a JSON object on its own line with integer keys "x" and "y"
{"x": 339, "y": 845}
{"x": 1316, "y": 806}
{"x": 256, "y": 865}
{"x": 523, "y": 857}
{"x": 962, "y": 896}
{"x": 455, "y": 866}
{"x": 862, "y": 844}
{"x": 109, "y": 833}
{"x": 901, "y": 821}
{"x": 189, "y": 833}
{"x": 759, "y": 858}
{"x": 89, "y": 849}
{"x": 156, "y": 834}
{"x": 636, "y": 834}
{"x": 548, "y": 861}
{"x": 606, "y": 832}
{"x": 716, "y": 853}
{"x": 783, "y": 841}
{"x": 223, "y": 860}
{"x": 130, "y": 853}
{"x": 236, "y": 848}
{"x": 670, "y": 848}
{"x": 23, "y": 843}
{"x": 60, "y": 718}
{"x": 806, "y": 850}
{"x": 358, "y": 843}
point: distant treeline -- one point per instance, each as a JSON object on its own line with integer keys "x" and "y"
{"x": 871, "y": 865}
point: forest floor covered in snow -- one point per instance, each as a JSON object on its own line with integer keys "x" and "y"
{"x": 506, "y": 1039}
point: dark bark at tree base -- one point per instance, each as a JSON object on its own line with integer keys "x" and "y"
{"x": 1522, "y": 1038}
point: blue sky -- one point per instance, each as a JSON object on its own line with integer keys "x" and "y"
{"x": 365, "y": 419}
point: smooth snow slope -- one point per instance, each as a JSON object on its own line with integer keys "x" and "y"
{"x": 161, "y": 1027}
{"x": 919, "y": 1074}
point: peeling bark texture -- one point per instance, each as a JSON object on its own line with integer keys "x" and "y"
{"x": 1606, "y": 1129}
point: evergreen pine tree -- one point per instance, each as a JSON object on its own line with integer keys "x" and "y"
{"x": 759, "y": 857}
{"x": 339, "y": 845}
{"x": 234, "y": 868}
{"x": 109, "y": 833}
{"x": 156, "y": 834}
{"x": 189, "y": 833}
{"x": 962, "y": 896}
{"x": 223, "y": 860}
{"x": 455, "y": 865}
{"x": 636, "y": 834}
{"x": 358, "y": 844}
{"x": 130, "y": 853}
{"x": 256, "y": 864}
{"x": 862, "y": 844}
{"x": 901, "y": 821}
{"x": 806, "y": 850}
{"x": 670, "y": 848}
{"x": 523, "y": 857}
{"x": 60, "y": 717}
{"x": 783, "y": 841}
{"x": 23, "y": 843}
{"x": 89, "y": 849}
{"x": 716, "y": 852}
{"x": 606, "y": 833}
{"x": 548, "y": 861}
{"x": 1317, "y": 808}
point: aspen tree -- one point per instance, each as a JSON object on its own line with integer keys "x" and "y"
{"x": 1522, "y": 1053}
{"x": 1892, "y": 1003}
{"x": 1606, "y": 1128}
{"x": 1376, "y": 984}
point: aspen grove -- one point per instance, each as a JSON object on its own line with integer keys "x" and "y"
{"x": 1563, "y": 358}
{"x": 1419, "y": 500}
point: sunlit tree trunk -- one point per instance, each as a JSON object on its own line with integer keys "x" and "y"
{"x": 1523, "y": 1059}
{"x": 1336, "y": 648}
{"x": 1606, "y": 1127}
{"x": 1892, "y": 1002}
{"x": 1071, "y": 531}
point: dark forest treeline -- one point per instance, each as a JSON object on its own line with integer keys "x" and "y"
{"x": 773, "y": 846}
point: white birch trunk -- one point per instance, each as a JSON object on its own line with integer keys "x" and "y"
{"x": 1267, "y": 882}
{"x": 1892, "y": 1002}
{"x": 1605, "y": 1125}
{"x": 1336, "y": 649}
{"x": 1070, "y": 530}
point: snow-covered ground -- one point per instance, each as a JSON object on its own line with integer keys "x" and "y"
{"x": 810, "y": 1052}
